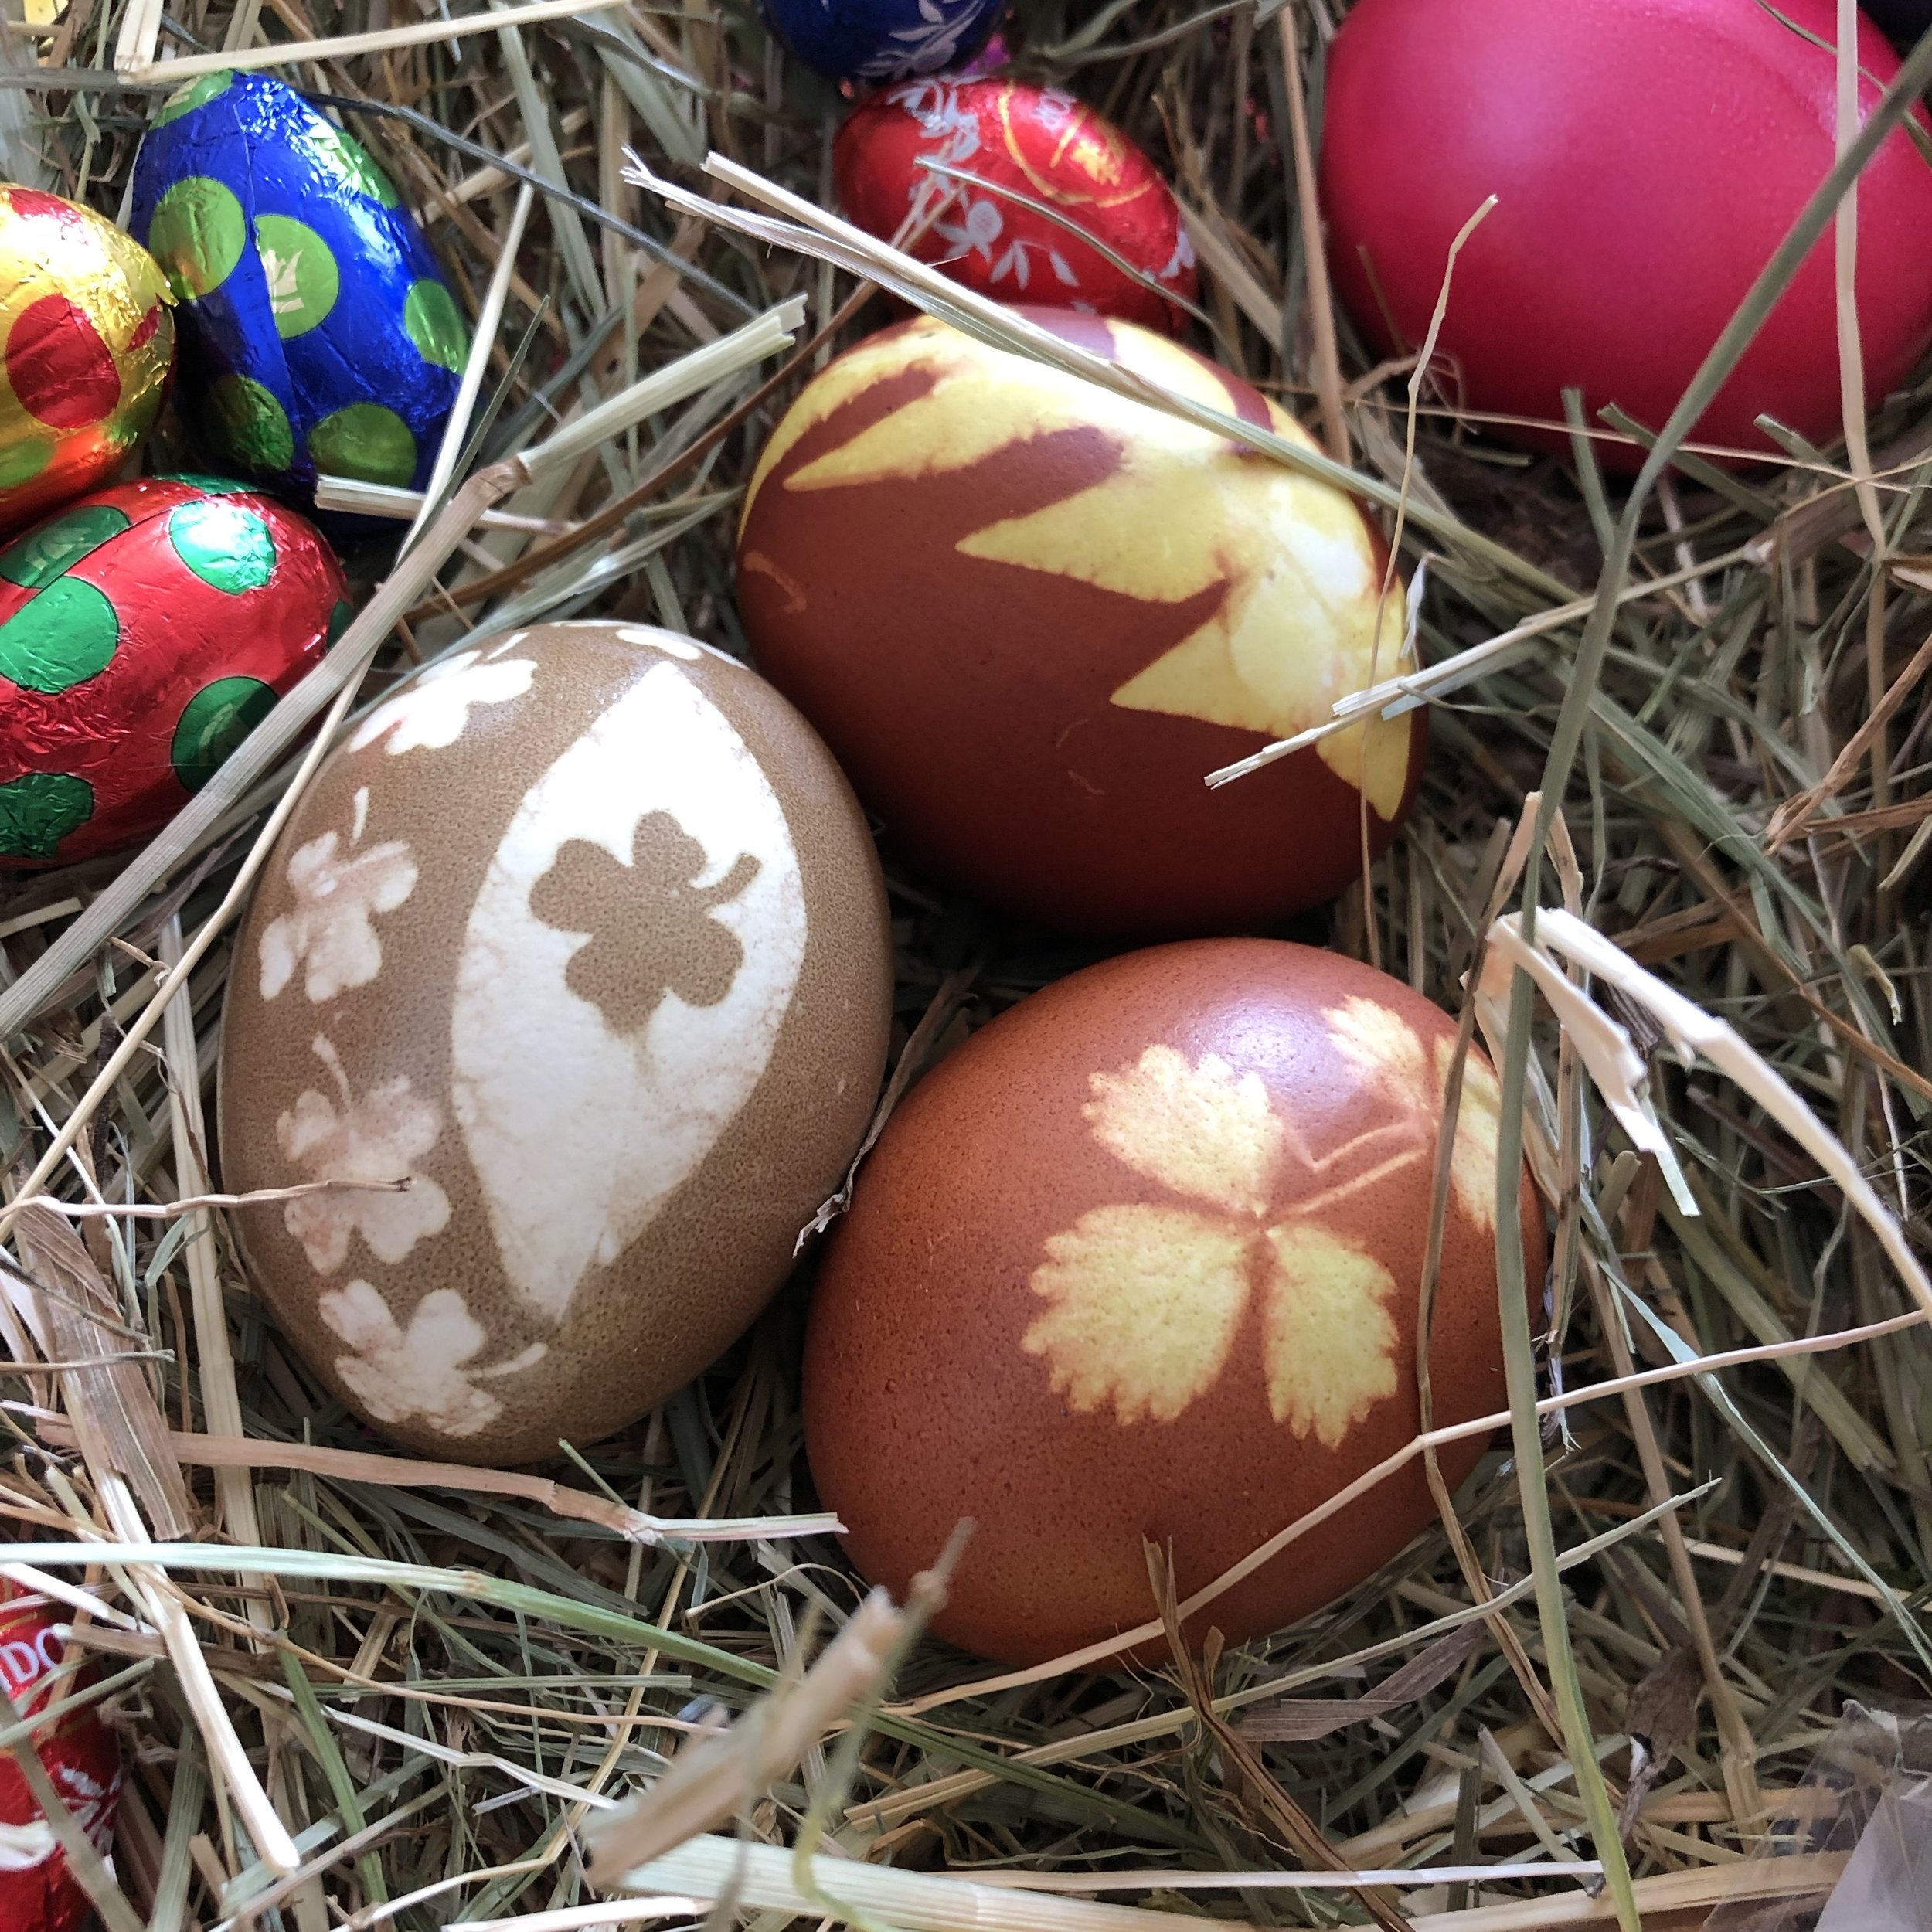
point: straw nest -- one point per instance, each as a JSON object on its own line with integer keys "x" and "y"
{"x": 357, "y": 1690}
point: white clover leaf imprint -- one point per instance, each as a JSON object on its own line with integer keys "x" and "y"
{"x": 377, "y": 1139}
{"x": 432, "y": 710}
{"x": 1146, "y": 1300}
{"x": 331, "y": 928}
{"x": 399, "y": 1374}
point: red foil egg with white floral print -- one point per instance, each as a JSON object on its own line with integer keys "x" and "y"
{"x": 38, "y": 1893}
{"x": 1036, "y": 142}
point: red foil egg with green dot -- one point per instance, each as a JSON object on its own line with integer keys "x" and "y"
{"x": 87, "y": 346}
{"x": 145, "y": 631}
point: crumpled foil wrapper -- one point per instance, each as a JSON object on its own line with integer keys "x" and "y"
{"x": 38, "y": 1893}
{"x": 1038, "y": 142}
{"x": 1863, "y": 1814}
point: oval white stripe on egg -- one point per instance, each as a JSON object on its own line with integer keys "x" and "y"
{"x": 579, "y": 1132}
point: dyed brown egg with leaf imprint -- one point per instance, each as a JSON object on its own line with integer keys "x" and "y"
{"x": 1030, "y": 616}
{"x": 581, "y": 933}
{"x": 1142, "y": 1260}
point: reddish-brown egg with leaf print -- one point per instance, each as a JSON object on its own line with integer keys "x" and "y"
{"x": 1030, "y": 615}
{"x": 1141, "y": 1261}
{"x": 579, "y": 933}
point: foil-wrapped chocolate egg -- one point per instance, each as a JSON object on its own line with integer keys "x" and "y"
{"x": 1030, "y": 616}
{"x": 579, "y": 933}
{"x": 81, "y": 1757}
{"x": 1141, "y": 1260}
{"x": 145, "y": 631}
{"x": 882, "y": 39}
{"x": 87, "y": 346}
{"x": 1040, "y": 143}
{"x": 319, "y": 335}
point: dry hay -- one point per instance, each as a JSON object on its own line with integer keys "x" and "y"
{"x": 1747, "y": 818}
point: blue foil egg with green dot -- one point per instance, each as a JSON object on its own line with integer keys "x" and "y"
{"x": 318, "y": 335}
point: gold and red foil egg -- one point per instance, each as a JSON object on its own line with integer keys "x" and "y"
{"x": 1038, "y": 142}
{"x": 87, "y": 347}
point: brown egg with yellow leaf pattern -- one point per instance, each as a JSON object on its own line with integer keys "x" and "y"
{"x": 1030, "y": 616}
{"x": 1142, "y": 1260}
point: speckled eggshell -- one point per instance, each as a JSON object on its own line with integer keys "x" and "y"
{"x": 1029, "y": 617}
{"x": 582, "y": 930}
{"x": 1141, "y": 1260}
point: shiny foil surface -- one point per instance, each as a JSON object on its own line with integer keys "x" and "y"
{"x": 882, "y": 39}
{"x": 145, "y": 631}
{"x": 1036, "y": 141}
{"x": 82, "y": 1756}
{"x": 87, "y": 346}
{"x": 319, "y": 335}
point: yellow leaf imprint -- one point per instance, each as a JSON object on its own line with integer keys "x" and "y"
{"x": 1388, "y": 1052}
{"x": 1145, "y": 1303}
{"x": 1472, "y": 1169}
{"x": 1199, "y": 1130}
{"x": 1384, "y": 1047}
{"x": 1330, "y": 1340}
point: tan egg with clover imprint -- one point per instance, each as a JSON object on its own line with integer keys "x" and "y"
{"x": 1141, "y": 1260}
{"x": 582, "y": 934}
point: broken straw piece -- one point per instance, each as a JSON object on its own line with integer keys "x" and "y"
{"x": 1614, "y": 1065}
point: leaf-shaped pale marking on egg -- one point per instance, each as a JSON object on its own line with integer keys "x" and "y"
{"x": 1330, "y": 1341}
{"x": 1272, "y": 589}
{"x": 1147, "y": 1299}
{"x": 432, "y": 710}
{"x": 399, "y": 1374}
{"x": 369, "y": 1145}
{"x": 582, "y": 1118}
{"x": 1198, "y": 1130}
{"x": 1387, "y": 1051}
{"x": 331, "y": 927}
{"x": 1145, "y": 1303}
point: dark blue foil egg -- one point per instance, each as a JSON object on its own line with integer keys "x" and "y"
{"x": 882, "y": 39}
{"x": 318, "y": 334}
{"x": 1904, "y": 20}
